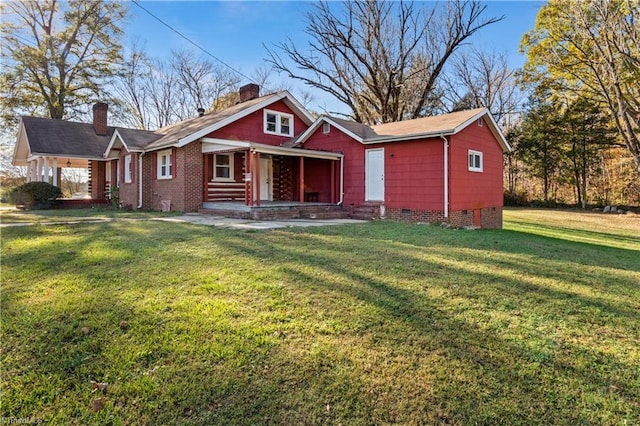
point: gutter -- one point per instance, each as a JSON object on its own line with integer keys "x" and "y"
{"x": 385, "y": 139}
{"x": 446, "y": 175}
{"x": 140, "y": 181}
{"x": 341, "y": 181}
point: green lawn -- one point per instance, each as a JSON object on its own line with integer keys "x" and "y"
{"x": 379, "y": 323}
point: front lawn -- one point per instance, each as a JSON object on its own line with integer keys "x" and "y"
{"x": 146, "y": 322}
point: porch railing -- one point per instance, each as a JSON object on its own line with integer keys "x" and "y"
{"x": 225, "y": 191}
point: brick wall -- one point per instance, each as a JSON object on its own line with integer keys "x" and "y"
{"x": 128, "y": 192}
{"x": 97, "y": 179}
{"x": 193, "y": 176}
{"x": 491, "y": 217}
{"x": 184, "y": 189}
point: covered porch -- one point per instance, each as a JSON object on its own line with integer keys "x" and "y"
{"x": 50, "y": 168}
{"x": 244, "y": 176}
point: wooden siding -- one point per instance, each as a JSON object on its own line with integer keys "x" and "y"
{"x": 353, "y": 151}
{"x": 475, "y": 190}
{"x": 251, "y": 127}
{"x": 414, "y": 174}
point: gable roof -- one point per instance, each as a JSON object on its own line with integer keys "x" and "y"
{"x": 445, "y": 123}
{"x": 64, "y": 138}
{"x": 419, "y": 128}
{"x": 44, "y": 136}
{"x": 184, "y": 132}
{"x": 357, "y": 131}
{"x": 133, "y": 140}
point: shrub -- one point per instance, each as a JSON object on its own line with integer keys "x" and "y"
{"x": 519, "y": 199}
{"x": 35, "y": 195}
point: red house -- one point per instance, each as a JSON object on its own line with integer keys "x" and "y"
{"x": 446, "y": 168}
{"x": 266, "y": 157}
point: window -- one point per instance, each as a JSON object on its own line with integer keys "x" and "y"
{"x": 223, "y": 167}
{"x": 128, "y": 172}
{"x": 278, "y": 123}
{"x": 480, "y": 121}
{"x": 326, "y": 128}
{"x": 165, "y": 168}
{"x": 475, "y": 161}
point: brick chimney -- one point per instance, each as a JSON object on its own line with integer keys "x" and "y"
{"x": 249, "y": 91}
{"x": 100, "y": 118}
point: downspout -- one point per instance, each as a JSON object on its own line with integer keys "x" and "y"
{"x": 140, "y": 181}
{"x": 446, "y": 176}
{"x": 341, "y": 181}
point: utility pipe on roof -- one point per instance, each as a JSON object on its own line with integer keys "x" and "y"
{"x": 140, "y": 180}
{"x": 446, "y": 176}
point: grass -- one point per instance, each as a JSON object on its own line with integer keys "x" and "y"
{"x": 378, "y": 323}
{"x": 13, "y": 215}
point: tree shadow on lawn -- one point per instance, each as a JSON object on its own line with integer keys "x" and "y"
{"x": 447, "y": 366}
{"x": 531, "y": 396}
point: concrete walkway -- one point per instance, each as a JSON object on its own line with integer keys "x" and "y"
{"x": 206, "y": 220}
{"x": 227, "y": 222}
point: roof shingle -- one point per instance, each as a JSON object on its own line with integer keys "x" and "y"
{"x": 65, "y": 138}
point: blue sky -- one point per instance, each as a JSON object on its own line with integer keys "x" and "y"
{"x": 235, "y": 31}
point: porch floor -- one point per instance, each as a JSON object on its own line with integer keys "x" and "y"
{"x": 275, "y": 210}
{"x": 240, "y": 206}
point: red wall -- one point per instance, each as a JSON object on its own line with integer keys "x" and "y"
{"x": 353, "y": 151}
{"x": 414, "y": 170}
{"x": 251, "y": 127}
{"x": 475, "y": 190}
{"x": 317, "y": 178}
{"x": 414, "y": 174}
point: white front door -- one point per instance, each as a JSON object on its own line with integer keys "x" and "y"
{"x": 374, "y": 174}
{"x": 266, "y": 179}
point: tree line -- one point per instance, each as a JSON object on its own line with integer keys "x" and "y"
{"x": 571, "y": 114}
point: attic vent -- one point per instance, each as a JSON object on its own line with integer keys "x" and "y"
{"x": 326, "y": 128}
{"x": 480, "y": 121}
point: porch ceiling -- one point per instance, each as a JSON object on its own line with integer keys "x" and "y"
{"x": 210, "y": 145}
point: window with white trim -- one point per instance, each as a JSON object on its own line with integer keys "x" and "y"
{"x": 278, "y": 123}
{"x": 326, "y": 128}
{"x": 475, "y": 161}
{"x": 165, "y": 167}
{"x": 128, "y": 172}
{"x": 223, "y": 167}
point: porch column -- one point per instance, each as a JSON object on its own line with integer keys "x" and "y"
{"x": 248, "y": 178}
{"x": 333, "y": 181}
{"x": 301, "y": 179}
{"x": 39, "y": 170}
{"x": 205, "y": 177}
{"x": 30, "y": 171}
{"x": 45, "y": 176}
{"x": 55, "y": 171}
{"x": 257, "y": 179}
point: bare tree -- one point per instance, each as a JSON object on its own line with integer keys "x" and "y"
{"x": 201, "y": 82}
{"x": 130, "y": 89}
{"x": 73, "y": 181}
{"x": 156, "y": 93}
{"x": 381, "y": 59}
{"x": 482, "y": 79}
